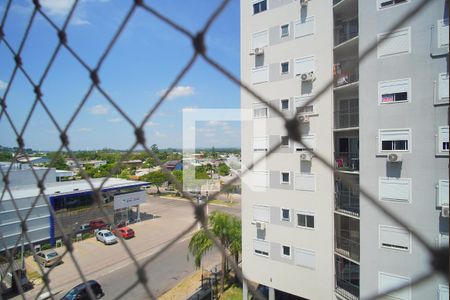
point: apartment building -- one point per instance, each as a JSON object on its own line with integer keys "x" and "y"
{"x": 307, "y": 230}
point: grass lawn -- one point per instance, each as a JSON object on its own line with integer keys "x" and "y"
{"x": 232, "y": 293}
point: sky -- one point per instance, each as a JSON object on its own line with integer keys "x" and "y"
{"x": 143, "y": 62}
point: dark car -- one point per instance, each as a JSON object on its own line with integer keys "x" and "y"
{"x": 97, "y": 224}
{"x": 80, "y": 292}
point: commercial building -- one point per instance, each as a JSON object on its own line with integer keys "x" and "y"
{"x": 72, "y": 202}
{"x": 307, "y": 232}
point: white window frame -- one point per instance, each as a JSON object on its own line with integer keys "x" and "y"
{"x": 381, "y": 35}
{"x": 281, "y": 68}
{"x": 394, "y": 180}
{"x": 442, "y": 187}
{"x": 288, "y": 30}
{"x": 386, "y": 130}
{"x": 261, "y": 207}
{"x": 299, "y": 23}
{"x": 289, "y": 141}
{"x": 443, "y": 238}
{"x": 440, "y": 140}
{"x": 307, "y": 175}
{"x": 261, "y": 138}
{"x": 261, "y": 254}
{"x": 282, "y": 251}
{"x": 379, "y": 8}
{"x": 281, "y": 104}
{"x": 393, "y": 228}
{"x": 443, "y": 78}
{"x": 305, "y": 213}
{"x": 281, "y": 177}
{"x": 260, "y": 106}
{"x": 257, "y": 1}
{"x": 307, "y": 59}
{"x": 308, "y": 252}
{"x": 439, "y": 27}
{"x": 301, "y": 100}
{"x": 404, "y": 278}
{"x": 387, "y": 82}
{"x": 281, "y": 214}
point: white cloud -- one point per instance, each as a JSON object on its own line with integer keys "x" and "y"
{"x": 78, "y": 20}
{"x": 115, "y": 120}
{"x": 160, "y": 134}
{"x": 178, "y": 91}
{"x": 189, "y": 109}
{"x": 151, "y": 123}
{"x": 99, "y": 109}
{"x": 3, "y": 85}
{"x": 84, "y": 129}
{"x": 57, "y": 7}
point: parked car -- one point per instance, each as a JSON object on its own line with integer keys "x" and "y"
{"x": 97, "y": 224}
{"x": 80, "y": 292}
{"x": 106, "y": 237}
{"x": 124, "y": 232}
{"x": 84, "y": 227}
{"x": 48, "y": 258}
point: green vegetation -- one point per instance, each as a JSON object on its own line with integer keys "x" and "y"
{"x": 232, "y": 293}
{"x": 223, "y": 169}
{"x": 156, "y": 178}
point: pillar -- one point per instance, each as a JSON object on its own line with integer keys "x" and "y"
{"x": 271, "y": 293}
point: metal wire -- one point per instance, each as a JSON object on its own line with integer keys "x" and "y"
{"x": 439, "y": 258}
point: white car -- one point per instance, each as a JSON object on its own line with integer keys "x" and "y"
{"x": 106, "y": 237}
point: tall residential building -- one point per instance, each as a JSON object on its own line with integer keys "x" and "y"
{"x": 307, "y": 230}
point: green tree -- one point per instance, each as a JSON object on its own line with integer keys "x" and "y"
{"x": 57, "y": 160}
{"x": 223, "y": 169}
{"x": 178, "y": 174}
{"x": 201, "y": 173}
{"x": 154, "y": 148}
{"x": 157, "y": 178}
{"x": 227, "y": 229}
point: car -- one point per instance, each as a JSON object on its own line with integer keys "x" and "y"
{"x": 97, "y": 224}
{"x": 124, "y": 232}
{"x": 80, "y": 292}
{"x": 106, "y": 237}
{"x": 48, "y": 258}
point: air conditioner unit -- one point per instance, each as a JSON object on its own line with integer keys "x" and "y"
{"x": 260, "y": 225}
{"x": 308, "y": 76}
{"x": 394, "y": 157}
{"x": 305, "y": 156}
{"x": 445, "y": 211}
{"x": 259, "y": 51}
{"x": 304, "y": 118}
{"x": 304, "y": 2}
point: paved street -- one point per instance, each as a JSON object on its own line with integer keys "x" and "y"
{"x": 112, "y": 267}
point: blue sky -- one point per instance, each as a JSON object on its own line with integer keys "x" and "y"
{"x": 145, "y": 59}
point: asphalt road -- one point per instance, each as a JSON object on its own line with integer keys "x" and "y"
{"x": 114, "y": 269}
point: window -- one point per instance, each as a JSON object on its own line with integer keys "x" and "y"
{"x": 393, "y": 91}
{"x": 443, "y": 191}
{"x": 260, "y": 39}
{"x": 259, "y": 6}
{"x": 284, "y": 103}
{"x": 305, "y": 258}
{"x": 442, "y": 31}
{"x": 305, "y": 182}
{"x": 261, "y": 213}
{"x": 443, "y": 139}
{"x": 285, "y": 214}
{"x": 387, "y": 282}
{"x": 388, "y": 3}
{"x": 285, "y": 68}
{"x": 394, "y": 140}
{"x": 304, "y": 65}
{"x": 285, "y": 177}
{"x": 261, "y": 247}
{"x": 285, "y": 141}
{"x": 303, "y": 106}
{"x": 308, "y": 143}
{"x": 304, "y": 27}
{"x": 443, "y": 242}
{"x": 260, "y": 112}
{"x": 305, "y": 220}
{"x": 394, "y": 238}
{"x": 443, "y": 87}
{"x": 399, "y": 42}
{"x": 261, "y": 144}
{"x": 286, "y": 251}
{"x": 395, "y": 189}
{"x": 443, "y": 292}
{"x": 259, "y": 179}
{"x": 284, "y": 30}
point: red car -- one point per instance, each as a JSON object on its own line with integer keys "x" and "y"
{"x": 124, "y": 232}
{"x": 97, "y": 224}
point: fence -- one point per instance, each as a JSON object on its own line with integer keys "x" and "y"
{"x": 439, "y": 263}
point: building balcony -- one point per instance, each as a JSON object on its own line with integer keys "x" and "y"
{"x": 347, "y": 161}
{"x": 347, "y": 278}
{"x": 344, "y": 77}
{"x": 345, "y": 9}
{"x": 347, "y": 247}
{"x": 346, "y": 289}
{"x": 345, "y": 31}
{"x": 346, "y": 119}
{"x": 347, "y": 202}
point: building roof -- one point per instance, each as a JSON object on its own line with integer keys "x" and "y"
{"x": 172, "y": 163}
{"x": 71, "y": 187}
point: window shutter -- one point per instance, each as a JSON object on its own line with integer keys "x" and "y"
{"x": 443, "y": 137}
{"x": 394, "y": 236}
{"x": 443, "y": 240}
{"x": 260, "y": 39}
{"x": 262, "y": 246}
{"x": 260, "y": 179}
{"x": 396, "y": 43}
{"x": 394, "y": 86}
{"x": 305, "y": 182}
{"x": 305, "y": 258}
{"x": 261, "y": 213}
{"x": 261, "y": 143}
{"x": 394, "y": 135}
{"x": 443, "y": 192}
{"x": 304, "y": 65}
{"x": 302, "y": 101}
{"x": 260, "y": 75}
{"x": 387, "y": 282}
{"x": 395, "y": 189}
{"x": 443, "y": 86}
{"x": 304, "y": 28}
{"x": 442, "y": 30}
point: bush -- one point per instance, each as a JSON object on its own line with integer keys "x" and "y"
{"x": 87, "y": 235}
{"x": 46, "y": 246}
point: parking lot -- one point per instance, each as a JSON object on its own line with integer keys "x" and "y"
{"x": 111, "y": 266}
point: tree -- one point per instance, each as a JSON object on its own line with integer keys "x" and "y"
{"x": 223, "y": 169}
{"x": 157, "y": 178}
{"x": 57, "y": 161}
{"x": 154, "y": 148}
{"x": 227, "y": 229}
{"x": 178, "y": 174}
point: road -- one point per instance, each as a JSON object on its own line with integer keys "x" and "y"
{"x": 115, "y": 270}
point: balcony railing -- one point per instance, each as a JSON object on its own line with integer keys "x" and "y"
{"x": 344, "y": 31}
{"x": 347, "y": 161}
{"x": 347, "y": 202}
{"x": 347, "y": 247}
{"x": 347, "y": 289}
{"x": 346, "y": 119}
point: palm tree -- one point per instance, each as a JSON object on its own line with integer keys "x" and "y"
{"x": 227, "y": 229}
